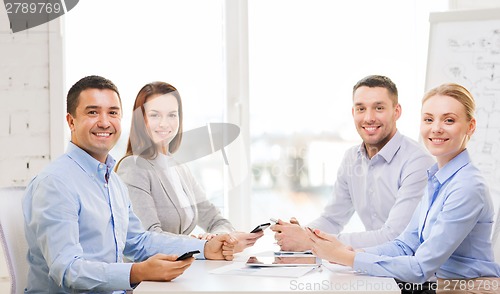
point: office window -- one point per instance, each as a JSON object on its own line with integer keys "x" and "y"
{"x": 305, "y": 56}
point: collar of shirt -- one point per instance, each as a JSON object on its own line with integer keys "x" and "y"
{"x": 89, "y": 164}
{"x": 164, "y": 160}
{"x": 388, "y": 151}
{"x": 451, "y": 168}
{"x": 438, "y": 177}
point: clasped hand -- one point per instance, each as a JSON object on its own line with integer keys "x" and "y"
{"x": 244, "y": 240}
{"x": 291, "y": 236}
{"x": 328, "y": 247}
{"x": 220, "y": 247}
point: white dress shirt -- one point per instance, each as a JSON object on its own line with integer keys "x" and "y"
{"x": 383, "y": 190}
{"x": 172, "y": 175}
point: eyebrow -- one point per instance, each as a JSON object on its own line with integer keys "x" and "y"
{"x": 99, "y": 107}
{"x": 375, "y": 103}
{"x": 154, "y": 110}
{"x": 444, "y": 114}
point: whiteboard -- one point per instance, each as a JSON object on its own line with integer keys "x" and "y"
{"x": 464, "y": 47}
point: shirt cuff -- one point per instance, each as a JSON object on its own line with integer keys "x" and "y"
{"x": 119, "y": 275}
{"x": 201, "y": 247}
{"x": 372, "y": 250}
{"x": 363, "y": 262}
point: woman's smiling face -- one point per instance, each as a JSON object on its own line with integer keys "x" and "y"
{"x": 445, "y": 128}
{"x": 162, "y": 119}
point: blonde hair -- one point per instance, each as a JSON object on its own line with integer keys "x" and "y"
{"x": 459, "y": 93}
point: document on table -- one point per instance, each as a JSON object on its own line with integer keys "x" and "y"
{"x": 239, "y": 268}
{"x": 337, "y": 268}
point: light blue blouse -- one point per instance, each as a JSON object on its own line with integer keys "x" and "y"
{"x": 449, "y": 234}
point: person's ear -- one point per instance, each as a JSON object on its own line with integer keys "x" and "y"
{"x": 398, "y": 111}
{"x": 472, "y": 127}
{"x": 71, "y": 121}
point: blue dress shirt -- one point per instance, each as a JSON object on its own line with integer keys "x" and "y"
{"x": 449, "y": 234}
{"x": 80, "y": 225}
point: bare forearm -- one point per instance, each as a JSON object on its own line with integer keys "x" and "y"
{"x": 346, "y": 257}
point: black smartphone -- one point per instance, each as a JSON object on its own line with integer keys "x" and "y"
{"x": 261, "y": 227}
{"x": 187, "y": 255}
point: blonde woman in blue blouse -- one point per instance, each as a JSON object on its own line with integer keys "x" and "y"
{"x": 449, "y": 235}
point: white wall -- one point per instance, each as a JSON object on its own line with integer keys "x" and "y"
{"x": 473, "y": 4}
{"x": 31, "y": 79}
{"x": 31, "y": 95}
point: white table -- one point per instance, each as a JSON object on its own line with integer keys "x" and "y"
{"x": 197, "y": 279}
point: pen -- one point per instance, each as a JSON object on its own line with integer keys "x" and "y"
{"x": 292, "y": 252}
{"x": 274, "y": 220}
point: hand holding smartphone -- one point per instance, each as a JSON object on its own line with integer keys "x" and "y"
{"x": 187, "y": 255}
{"x": 261, "y": 227}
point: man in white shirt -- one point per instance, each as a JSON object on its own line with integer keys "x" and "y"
{"x": 382, "y": 179}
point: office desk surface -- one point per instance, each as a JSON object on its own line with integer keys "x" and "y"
{"x": 197, "y": 279}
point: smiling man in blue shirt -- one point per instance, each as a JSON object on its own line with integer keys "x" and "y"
{"x": 78, "y": 218}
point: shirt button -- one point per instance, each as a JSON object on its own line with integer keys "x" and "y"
{"x": 105, "y": 185}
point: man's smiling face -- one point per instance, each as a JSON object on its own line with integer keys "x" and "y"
{"x": 375, "y": 116}
{"x": 96, "y": 125}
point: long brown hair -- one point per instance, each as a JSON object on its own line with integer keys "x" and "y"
{"x": 139, "y": 141}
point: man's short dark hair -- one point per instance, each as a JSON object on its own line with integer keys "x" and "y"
{"x": 89, "y": 82}
{"x": 373, "y": 81}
